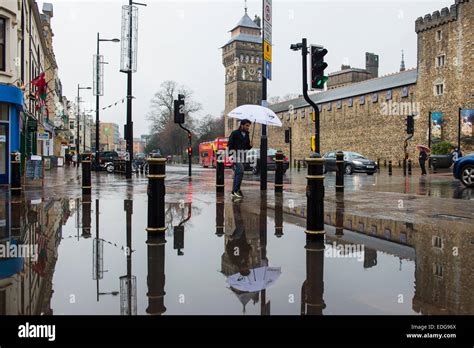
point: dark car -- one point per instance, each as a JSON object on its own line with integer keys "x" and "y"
{"x": 253, "y": 161}
{"x": 108, "y": 156}
{"x": 463, "y": 169}
{"x": 353, "y": 163}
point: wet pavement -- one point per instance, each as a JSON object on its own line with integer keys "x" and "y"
{"x": 392, "y": 246}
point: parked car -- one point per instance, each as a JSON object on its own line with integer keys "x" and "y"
{"x": 463, "y": 169}
{"x": 353, "y": 163}
{"x": 108, "y": 156}
{"x": 155, "y": 154}
{"x": 253, "y": 161}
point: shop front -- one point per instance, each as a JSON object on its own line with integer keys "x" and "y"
{"x": 11, "y": 103}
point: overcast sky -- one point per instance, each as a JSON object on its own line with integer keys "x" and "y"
{"x": 181, "y": 40}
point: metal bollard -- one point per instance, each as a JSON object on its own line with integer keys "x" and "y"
{"x": 220, "y": 207}
{"x": 279, "y": 172}
{"x": 378, "y": 162}
{"x": 278, "y": 216}
{"x": 86, "y": 174}
{"x": 220, "y": 184}
{"x": 86, "y": 215}
{"x": 385, "y": 163}
{"x": 15, "y": 186}
{"x": 299, "y": 165}
{"x": 156, "y": 274}
{"x": 312, "y": 291}
{"x": 156, "y": 195}
{"x": 340, "y": 171}
{"x": 409, "y": 167}
{"x": 339, "y": 215}
{"x": 315, "y": 198}
{"x": 390, "y": 168}
{"x": 399, "y": 164}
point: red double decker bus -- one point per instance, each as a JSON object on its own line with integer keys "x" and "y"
{"x": 208, "y": 151}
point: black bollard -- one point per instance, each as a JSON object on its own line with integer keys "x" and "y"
{"x": 279, "y": 172}
{"x": 339, "y": 171}
{"x": 339, "y": 215}
{"x": 378, "y": 162}
{"x": 390, "y": 168}
{"x": 156, "y": 196}
{"x": 278, "y": 215}
{"x": 312, "y": 291}
{"x": 315, "y": 198}
{"x": 220, "y": 184}
{"x": 385, "y": 163}
{"x": 86, "y": 174}
{"x": 156, "y": 274}
{"x": 399, "y": 164}
{"x": 220, "y": 206}
{"x": 409, "y": 167}
{"x": 299, "y": 165}
{"x": 15, "y": 186}
{"x": 86, "y": 215}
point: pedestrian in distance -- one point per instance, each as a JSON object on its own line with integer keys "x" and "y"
{"x": 239, "y": 144}
{"x": 422, "y": 159}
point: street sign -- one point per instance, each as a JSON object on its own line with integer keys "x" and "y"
{"x": 43, "y": 136}
{"x": 268, "y": 70}
{"x": 267, "y": 20}
{"x": 267, "y": 53}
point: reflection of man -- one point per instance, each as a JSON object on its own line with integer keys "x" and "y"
{"x": 237, "y": 247}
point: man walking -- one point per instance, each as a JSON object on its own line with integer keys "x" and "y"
{"x": 239, "y": 144}
{"x": 422, "y": 159}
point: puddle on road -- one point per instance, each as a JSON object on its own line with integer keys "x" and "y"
{"x": 84, "y": 265}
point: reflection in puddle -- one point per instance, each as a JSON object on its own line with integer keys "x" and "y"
{"x": 95, "y": 257}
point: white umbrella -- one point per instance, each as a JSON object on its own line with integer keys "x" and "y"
{"x": 258, "y": 279}
{"x": 256, "y": 114}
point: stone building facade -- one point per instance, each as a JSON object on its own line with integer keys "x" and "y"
{"x": 369, "y": 116}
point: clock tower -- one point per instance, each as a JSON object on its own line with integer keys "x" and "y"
{"x": 242, "y": 59}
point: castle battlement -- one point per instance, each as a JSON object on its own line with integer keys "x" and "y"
{"x": 438, "y": 18}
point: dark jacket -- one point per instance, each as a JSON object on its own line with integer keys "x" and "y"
{"x": 239, "y": 142}
{"x": 423, "y": 156}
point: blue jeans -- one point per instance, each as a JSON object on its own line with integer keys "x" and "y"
{"x": 238, "y": 176}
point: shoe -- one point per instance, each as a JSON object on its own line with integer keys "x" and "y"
{"x": 240, "y": 193}
{"x": 235, "y": 194}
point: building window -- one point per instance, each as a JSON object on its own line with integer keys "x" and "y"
{"x": 439, "y": 89}
{"x": 231, "y": 97}
{"x": 388, "y": 96}
{"x": 4, "y": 112}
{"x": 438, "y": 269}
{"x": 339, "y": 104}
{"x": 440, "y": 61}
{"x": 437, "y": 242}
{"x": 439, "y": 35}
{"x": 3, "y": 35}
{"x": 349, "y": 102}
{"x": 404, "y": 92}
{"x": 329, "y": 106}
{"x": 303, "y": 113}
{"x": 362, "y": 100}
{"x": 375, "y": 97}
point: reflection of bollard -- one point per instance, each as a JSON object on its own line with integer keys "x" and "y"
{"x": 220, "y": 205}
{"x": 156, "y": 195}
{"x": 339, "y": 215}
{"x": 339, "y": 171}
{"x": 156, "y": 274}
{"x": 86, "y": 215}
{"x": 86, "y": 174}
{"x": 312, "y": 291}
{"x": 315, "y": 197}
{"x": 409, "y": 167}
{"x": 390, "y": 168}
{"x": 220, "y": 185}
{"x": 278, "y": 216}
{"x": 15, "y": 187}
{"x": 279, "y": 171}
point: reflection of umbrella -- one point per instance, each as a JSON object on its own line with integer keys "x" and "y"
{"x": 423, "y": 147}
{"x": 245, "y": 297}
{"x": 258, "y": 279}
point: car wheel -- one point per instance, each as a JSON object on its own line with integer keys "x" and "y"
{"x": 325, "y": 170}
{"x": 370, "y": 173}
{"x": 348, "y": 169}
{"x": 467, "y": 175}
{"x": 110, "y": 168}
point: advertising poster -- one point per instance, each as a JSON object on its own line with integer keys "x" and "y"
{"x": 467, "y": 130}
{"x": 436, "y": 126}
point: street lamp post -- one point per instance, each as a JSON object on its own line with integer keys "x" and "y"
{"x": 78, "y": 117}
{"x": 97, "y": 120}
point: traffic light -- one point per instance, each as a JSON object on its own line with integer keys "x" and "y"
{"x": 179, "y": 109}
{"x": 190, "y": 151}
{"x": 410, "y": 123}
{"x": 317, "y": 67}
{"x": 313, "y": 143}
{"x": 287, "y": 136}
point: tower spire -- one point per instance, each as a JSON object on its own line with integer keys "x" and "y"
{"x": 402, "y": 65}
{"x": 245, "y": 6}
